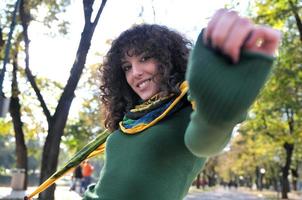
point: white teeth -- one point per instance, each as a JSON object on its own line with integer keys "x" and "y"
{"x": 143, "y": 83}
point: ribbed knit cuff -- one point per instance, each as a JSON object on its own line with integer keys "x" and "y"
{"x": 205, "y": 140}
{"x": 223, "y": 91}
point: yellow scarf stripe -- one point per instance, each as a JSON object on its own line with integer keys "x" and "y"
{"x": 183, "y": 88}
{"x": 51, "y": 180}
{"x": 78, "y": 157}
{"x": 45, "y": 185}
{"x": 193, "y": 103}
{"x": 98, "y": 151}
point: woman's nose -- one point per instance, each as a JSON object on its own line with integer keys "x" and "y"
{"x": 137, "y": 70}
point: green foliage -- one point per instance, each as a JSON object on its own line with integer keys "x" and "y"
{"x": 34, "y": 126}
{"x": 7, "y": 152}
{"x": 275, "y": 118}
{"x": 53, "y": 11}
{"x": 88, "y": 124}
{"x": 5, "y": 127}
{"x": 281, "y": 100}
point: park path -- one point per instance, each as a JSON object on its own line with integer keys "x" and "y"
{"x": 219, "y": 193}
{"x": 222, "y": 194}
{"x": 62, "y": 192}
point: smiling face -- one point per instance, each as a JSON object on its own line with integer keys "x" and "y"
{"x": 141, "y": 72}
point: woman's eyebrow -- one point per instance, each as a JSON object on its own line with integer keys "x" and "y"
{"x": 124, "y": 61}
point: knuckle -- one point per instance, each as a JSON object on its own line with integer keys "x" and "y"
{"x": 221, "y": 10}
{"x": 217, "y": 37}
{"x": 244, "y": 22}
{"x": 227, "y": 49}
{"x": 232, "y": 13}
{"x": 230, "y": 48}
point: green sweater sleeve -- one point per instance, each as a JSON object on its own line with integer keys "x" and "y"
{"x": 222, "y": 92}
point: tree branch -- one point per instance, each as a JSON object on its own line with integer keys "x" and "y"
{"x": 62, "y": 110}
{"x": 266, "y": 128}
{"x": 8, "y": 45}
{"x": 290, "y": 120}
{"x": 280, "y": 13}
{"x": 15, "y": 112}
{"x": 25, "y": 17}
{"x": 294, "y": 9}
{"x": 1, "y": 39}
{"x": 34, "y": 85}
{"x": 97, "y": 17}
{"x": 87, "y": 5}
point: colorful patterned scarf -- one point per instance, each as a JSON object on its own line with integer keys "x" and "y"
{"x": 138, "y": 119}
{"x": 149, "y": 113}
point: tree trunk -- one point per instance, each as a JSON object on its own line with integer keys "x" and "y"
{"x": 198, "y": 181}
{"x": 58, "y": 121}
{"x": 25, "y": 20}
{"x": 257, "y": 175}
{"x": 297, "y": 17}
{"x": 285, "y": 170}
{"x": 21, "y": 150}
{"x": 8, "y": 44}
{"x": 2, "y": 42}
{"x": 50, "y": 158}
{"x": 295, "y": 176}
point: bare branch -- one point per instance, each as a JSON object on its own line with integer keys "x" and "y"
{"x": 1, "y": 39}
{"x": 97, "y": 17}
{"x": 266, "y": 128}
{"x": 279, "y": 15}
{"x": 294, "y": 9}
{"x": 87, "y": 5}
{"x": 62, "y": 110}
{"x": 25, "y": 17}
{"x": 8, "y": 45}
{"x": 34, "y": 85}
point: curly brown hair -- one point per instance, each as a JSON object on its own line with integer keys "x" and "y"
{"x": 170, "y": 48}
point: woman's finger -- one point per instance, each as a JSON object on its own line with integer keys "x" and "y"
{"x": 236, "y": 38}
{"x": 211, "y": 25}
{"x": 222, "y": 28}
{"x": 264, "y": 40}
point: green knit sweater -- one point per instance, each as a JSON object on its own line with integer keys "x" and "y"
{"x": 161, "y": 162}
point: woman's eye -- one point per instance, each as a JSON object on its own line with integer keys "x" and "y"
{"x": 145, "y": 58}
{"x": 126, "y": 68}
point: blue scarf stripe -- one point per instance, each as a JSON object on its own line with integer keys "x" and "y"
{"x": 148, "y": 117}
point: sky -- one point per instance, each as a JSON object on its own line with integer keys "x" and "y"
{"x": 53, "y": 57}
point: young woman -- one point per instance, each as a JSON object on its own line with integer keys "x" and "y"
{"x": 168, "y": 111}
